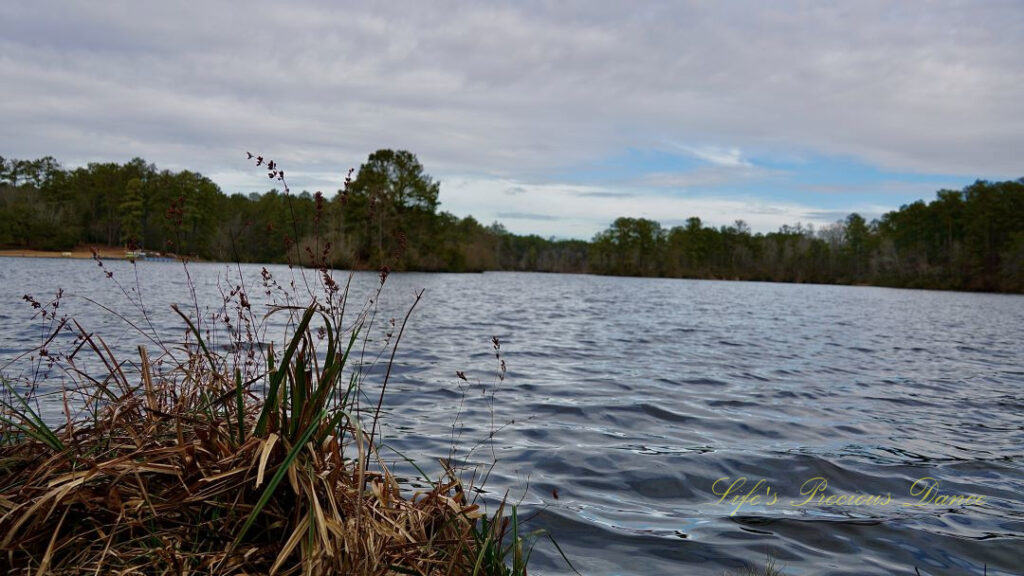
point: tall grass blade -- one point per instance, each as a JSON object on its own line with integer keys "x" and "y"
{"x": 31, "y": 423}
{"x": 562, "y": 554}
{"x": 277, "y": 376}
{"x": 276, "y": 479}
{"x": 240, "y": 405}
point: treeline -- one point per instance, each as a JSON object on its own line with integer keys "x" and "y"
{"x": 971, "y": 239}
{"x": 388, "y": 215}
{"x": 45, "y": 207}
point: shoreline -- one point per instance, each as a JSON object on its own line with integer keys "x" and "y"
{"x": 118, "y": 253}
{"x": 83, "y": 253}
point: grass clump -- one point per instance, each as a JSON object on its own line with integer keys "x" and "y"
{"x": 239, "y": 462}
{"x": 191, "y": 471}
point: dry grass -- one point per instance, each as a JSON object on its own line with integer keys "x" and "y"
{"x": 190, "y": 471}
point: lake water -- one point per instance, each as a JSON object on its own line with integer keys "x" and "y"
{"x": 630, "y": 398}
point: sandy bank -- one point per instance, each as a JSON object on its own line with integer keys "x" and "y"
{"x": 80, "y": 252}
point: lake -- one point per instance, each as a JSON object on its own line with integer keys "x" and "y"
{"x": 661, "y": 426}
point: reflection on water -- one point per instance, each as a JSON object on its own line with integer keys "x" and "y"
{"x": 629, "y": 398}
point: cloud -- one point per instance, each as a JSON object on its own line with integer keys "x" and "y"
{"x": 868, "y": 212}
{"x": 919, "y": 188}
{"x": 711, "y": 176}
{"x": 516, "y": 92}
{"x": 833, "y": 215}
{"x": 528, "y": 216}
{"x": 604, "y": 194}
{"x": 731, "y": 157}
{"x": 567, "y": 210}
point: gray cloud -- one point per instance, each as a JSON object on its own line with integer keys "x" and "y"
{"x": 604, "y": 194}
{"x": 837, "y": 215}
{"x": 515, "y": 91}
{"x": 709, "y": 176}
{"x": 922, "y": 189}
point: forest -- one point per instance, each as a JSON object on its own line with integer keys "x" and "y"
{"x": 388, "y": 215}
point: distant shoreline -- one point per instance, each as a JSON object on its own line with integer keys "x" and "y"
{"x": 119, "y": 253}
{"x": 79, "y": 253}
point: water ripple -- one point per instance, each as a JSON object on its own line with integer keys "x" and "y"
{"x": 628, "y": 400}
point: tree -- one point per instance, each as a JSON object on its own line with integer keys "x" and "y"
{"x": 630, "y": 246}
{"x": 401, "y": 198}
{"x": 688, "y": 247}
{"x": 131, "y": 213}
{"x": 856, "y": 237}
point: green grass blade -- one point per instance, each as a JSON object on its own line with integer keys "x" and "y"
{"x": 36, "y": 427}
{"x": 412, "y": 463}
{"x": 240, "y": 406}
{"x": 276, "y": 377}
{"x": 562, "y": 554}
{"x": 517, "y": 549}
{"x": 329, "y": 379}
{"x": 298, "y": 408}
{"x": 332, "y": 425}
{"x": 268, "y": 492}
{"x": 199, "y": 337}
{"x": 331, "y": 345}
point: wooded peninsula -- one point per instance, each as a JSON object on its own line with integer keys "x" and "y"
{"x": 388, "y": 215}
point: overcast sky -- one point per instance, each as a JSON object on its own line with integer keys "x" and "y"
{"x": 554, "y": 118}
